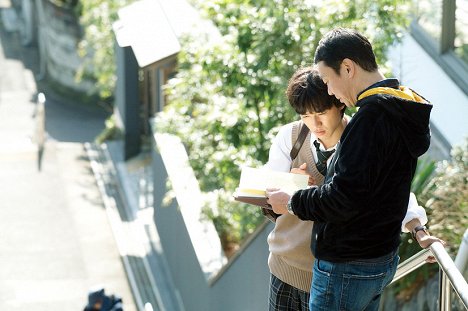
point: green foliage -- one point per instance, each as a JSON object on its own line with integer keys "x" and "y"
{"x": 97, "y": 46}
{"x": 446, "y": 198}
{"x": 443, "y": 189}
{"x": 110, "y": 132}
{"x": 227, "y": 99}
{"x": 233, "y": 222}
{"x": 424, "y": 172}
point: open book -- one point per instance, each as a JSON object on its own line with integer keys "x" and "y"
{"x": 254, "y": 181}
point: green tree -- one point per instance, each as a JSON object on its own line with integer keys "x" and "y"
{"x": 227, "y": 99}
{"x": 97, "y": 45}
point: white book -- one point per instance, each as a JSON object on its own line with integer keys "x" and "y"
{"x": 254, "y": 181}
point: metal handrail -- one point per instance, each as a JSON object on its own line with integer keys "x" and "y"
{"x": 411, "y": 264}
{"x": 450, "y": 271}
{"x": 449, "y": 274}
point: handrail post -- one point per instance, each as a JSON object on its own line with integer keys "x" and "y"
{"x": 461, "y": 260}
{"x": 445, "y": 303}
{"x": 451, "y": 273}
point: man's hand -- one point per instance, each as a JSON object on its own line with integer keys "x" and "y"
{"x": 425, "y": 241}
{"x": 278, "y": 200}
{"x": 302, "y": 170}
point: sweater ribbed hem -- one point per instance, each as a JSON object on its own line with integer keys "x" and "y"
{"x": 291, "y": 275}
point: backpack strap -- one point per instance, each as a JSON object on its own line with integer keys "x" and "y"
{"x": 269, "y": 213}
{"x": 299, "y": 142}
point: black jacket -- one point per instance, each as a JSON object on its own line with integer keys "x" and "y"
{"x": 359, "y": 210}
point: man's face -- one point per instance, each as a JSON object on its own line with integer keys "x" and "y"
{"x": 326, "y": 125}
{"x": 338, "y": 85}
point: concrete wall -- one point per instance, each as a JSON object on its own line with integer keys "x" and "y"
{"x": 244, "y": 283}
{"x": 202, "y": 277}
{"x": 58, "y": 36}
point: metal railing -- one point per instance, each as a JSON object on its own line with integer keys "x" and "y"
{"x": 449, "y": 275}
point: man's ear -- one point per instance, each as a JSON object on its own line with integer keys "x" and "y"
{"x": 349, "y": 67}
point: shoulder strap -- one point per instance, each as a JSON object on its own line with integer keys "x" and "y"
{"x": 268, "y": 212}
{"x": 299, "y": 142}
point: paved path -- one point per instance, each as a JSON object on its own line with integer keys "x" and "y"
{"x": 55, "y": 238}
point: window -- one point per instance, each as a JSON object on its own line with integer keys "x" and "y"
{"x": 441, "y": 28}
{"x": 429, "y": 17}
{"x": 461, "y": 30}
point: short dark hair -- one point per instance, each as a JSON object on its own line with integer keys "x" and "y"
{"x": 341, "y": 43}
{"x": 306, "y": 92}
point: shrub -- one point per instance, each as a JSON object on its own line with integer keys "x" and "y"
{"x": 443, "y": 189}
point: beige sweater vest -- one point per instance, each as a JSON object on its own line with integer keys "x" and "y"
{"x": 290, "y": 257}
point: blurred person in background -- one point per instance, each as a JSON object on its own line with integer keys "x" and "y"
{"x": 99, "y": 301}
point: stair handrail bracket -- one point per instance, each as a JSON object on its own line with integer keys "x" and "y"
{"x": 449, "y": 269}
{"x": 450, "y": 275}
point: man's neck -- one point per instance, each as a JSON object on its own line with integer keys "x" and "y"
{"x": 367, "y": 79}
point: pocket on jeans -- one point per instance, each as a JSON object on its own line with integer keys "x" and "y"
{"x": 365, "y": 276}
{"x": 359, "y": 290}
{"x": 320, "y": 293}
{"x": 322, "y": 267}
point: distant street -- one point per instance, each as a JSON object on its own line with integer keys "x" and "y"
{"x": 56, "y": 241}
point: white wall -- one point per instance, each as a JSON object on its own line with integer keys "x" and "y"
{"x": 417, "y": 70}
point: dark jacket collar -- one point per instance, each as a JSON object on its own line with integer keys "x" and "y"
{"x": 392, "y": 82}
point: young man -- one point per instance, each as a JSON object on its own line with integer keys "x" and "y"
{"x": 290, "y": 259}
{"x": 358, "y": 212}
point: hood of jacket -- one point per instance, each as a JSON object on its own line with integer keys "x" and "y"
{"x": 411, "y": 113}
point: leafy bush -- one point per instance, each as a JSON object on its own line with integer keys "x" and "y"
{"x": 233, "y": 222}
{"x": 97, "y": 46}
{"x": 446, "y": 198}
{"x": 443, "y": 189}
{"x": 110, "y": 132}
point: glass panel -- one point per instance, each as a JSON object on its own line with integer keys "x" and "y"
{"x": 461, "y": 30}
{"x": 429, "y": 17}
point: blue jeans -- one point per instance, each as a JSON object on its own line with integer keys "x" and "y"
{"x": 351, "y": 286}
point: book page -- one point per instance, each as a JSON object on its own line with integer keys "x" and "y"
{"x": 254, "y": 181}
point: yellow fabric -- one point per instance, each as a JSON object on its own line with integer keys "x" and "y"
{"x": 403, "y": 92}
